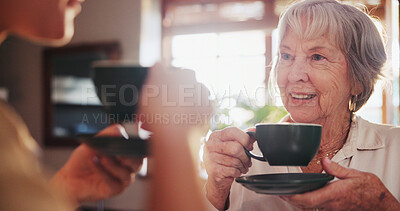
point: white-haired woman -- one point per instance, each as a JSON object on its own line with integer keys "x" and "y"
{"x": 330, "y": 56}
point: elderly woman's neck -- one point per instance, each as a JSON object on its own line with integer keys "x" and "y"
{"x": 334, "y": 133}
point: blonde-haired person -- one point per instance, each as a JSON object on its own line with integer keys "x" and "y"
{"x": 88, "y": 175}
{"x": 330, "y": 56}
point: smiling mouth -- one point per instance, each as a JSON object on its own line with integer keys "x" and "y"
{"x": 302, "y": 96}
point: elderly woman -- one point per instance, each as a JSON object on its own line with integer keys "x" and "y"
{"x": 330, "y": 56}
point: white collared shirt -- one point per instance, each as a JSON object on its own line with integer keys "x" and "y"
{"x": 369, "y": 147}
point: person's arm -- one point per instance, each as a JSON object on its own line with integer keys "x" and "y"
{"x": 183, "y": 104}
{"x": 175, "y": 183}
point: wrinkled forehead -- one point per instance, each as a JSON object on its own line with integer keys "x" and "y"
{"x": 292, "y": 39}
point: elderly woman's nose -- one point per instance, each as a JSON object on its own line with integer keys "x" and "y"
{"x": 298, "y": 71}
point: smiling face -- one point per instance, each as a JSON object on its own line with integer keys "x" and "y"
{"x": 313, "y": 79}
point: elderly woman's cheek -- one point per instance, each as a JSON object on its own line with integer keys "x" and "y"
{"x": 282, "y": 80}
{"x": 333, "y": 98}
{"x": 282, "y": 72}
{"x": 326, "y": 104}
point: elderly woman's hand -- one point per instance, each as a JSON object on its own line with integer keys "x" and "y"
{"x": 89, "y": 176}
{"x": 355, "y": 190}
{"x": 225, "y": 160}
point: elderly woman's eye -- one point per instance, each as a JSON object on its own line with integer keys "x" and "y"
{"x": 317, "y": 57}
{"x": 286, "y": 56}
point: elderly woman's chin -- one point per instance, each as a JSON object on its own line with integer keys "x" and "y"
{"x": 305, "y": 111}
{"x": 301, "y": 116}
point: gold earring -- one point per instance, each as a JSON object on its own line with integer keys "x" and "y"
{"x": 352, "y": 103}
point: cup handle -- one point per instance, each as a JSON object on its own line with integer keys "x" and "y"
{"x": 250, "y": 154}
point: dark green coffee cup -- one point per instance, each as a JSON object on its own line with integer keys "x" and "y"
{"x": 287, "y": 144}
{"x": 118, "y": 86}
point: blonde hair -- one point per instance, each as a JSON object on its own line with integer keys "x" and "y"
{"x": 348, "y": 28}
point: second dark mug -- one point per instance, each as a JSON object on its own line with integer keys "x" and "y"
{"x": 286, "y": 144}
{"x": 118, "y": 86}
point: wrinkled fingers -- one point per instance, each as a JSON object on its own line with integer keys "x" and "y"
{"x": 232, "y": 149}
{"x": 228, "y": 161}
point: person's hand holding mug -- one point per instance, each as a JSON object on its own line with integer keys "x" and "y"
{"x": 227, "y": 153}
{"x": 225, "y": 160}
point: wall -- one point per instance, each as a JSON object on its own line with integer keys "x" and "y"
{"x": 21, "y": 72}
{"x": 102, "y": 20}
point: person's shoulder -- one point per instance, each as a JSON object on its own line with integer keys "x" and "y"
{"x": 14, "y": 131}
{"x": 386, "y": 132}
{"x": 9, "y": 117}
{"x": 4, "y": 106}
{"x": 376, "y": 126}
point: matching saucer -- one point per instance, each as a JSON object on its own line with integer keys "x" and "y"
{"x": 284, "y": 184}
{"x": 118, "y": 146}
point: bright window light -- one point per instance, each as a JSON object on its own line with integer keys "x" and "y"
{"x": 228, "y": 63}
{"x": 232, "y": 65}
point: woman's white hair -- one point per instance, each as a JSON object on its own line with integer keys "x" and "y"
{"x": 348, "y": 28}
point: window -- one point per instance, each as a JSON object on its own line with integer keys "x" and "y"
{"x": 227, "y": 63}
{"x": 232, "y": 65}
{"x": 383, "y": 106}
{"x": 228, "y": 44}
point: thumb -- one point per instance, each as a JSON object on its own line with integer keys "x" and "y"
{"x": 334, "y": 169}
